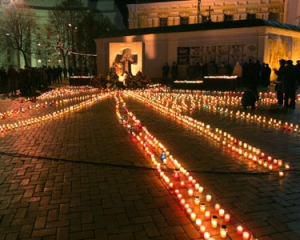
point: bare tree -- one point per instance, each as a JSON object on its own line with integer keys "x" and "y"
{"x": 18, "y": 24}
{"x": 63, "y": 23}
{"x": 74, "y": 29}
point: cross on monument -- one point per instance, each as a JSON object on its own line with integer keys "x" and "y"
{"x": 126, "y": 59}
{"x": 198, "y": 11}
{"x": 209, "y": 10}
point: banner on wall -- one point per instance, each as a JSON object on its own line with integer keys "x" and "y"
{"x": 126, "y": 58}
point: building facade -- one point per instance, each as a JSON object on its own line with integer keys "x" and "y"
{"x": 161, "y": 14}
{"x": 42, "y": 9}
{"x": 220, "y": 43}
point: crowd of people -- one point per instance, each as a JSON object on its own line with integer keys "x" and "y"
{"x": 28, "y": 80}
{"x": 288, "y": 79}
{"x": 248, "y": 73}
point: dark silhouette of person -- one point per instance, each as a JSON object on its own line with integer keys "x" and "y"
{"x": 265, "y": 75}
{"x": 174, "y": 71}
{"x": 165, "y": 72}
{"x": 278, "y": 86}
{"x": 289, "y": 84}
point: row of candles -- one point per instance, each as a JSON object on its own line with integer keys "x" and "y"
{"x": 66, "y": 91}
{"x": 240, "y": 148}
{"x": 188, "y": 192}
{"x": 65, "y": 98}
{"x": 216, "y": 104}
{"x": 27, "y": 122}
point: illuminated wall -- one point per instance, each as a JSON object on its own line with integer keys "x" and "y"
{"x": 126, "y": 57}
{"x": 148, "y": 15}
{"x": 264, "y": 43}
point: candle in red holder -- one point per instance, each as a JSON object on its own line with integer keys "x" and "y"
{"x": 217, "y": 207}
{"x": 176, "y": 174}
{"x": 239, "y": 230}
{"x": 227, "y": 218}
{"x": 221, "y": 212}
{"x": 207, "y": 214}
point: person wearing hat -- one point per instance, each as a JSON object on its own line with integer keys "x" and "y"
{"x": 289, "y": 84}
{"x": 278, "y": 86}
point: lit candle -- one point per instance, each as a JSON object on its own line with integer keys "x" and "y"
{"x": 227, "y": 218}
{"x": 221, "y": 212}
{"x": 189, "y": 211}
{"x": 214, "y": 221}
{"x": 198, "y": 222}
{"x": 200, "y": 189}
{"x": 176, "y": 174}
{"x": 208, "y": 198}
{"x": 193, "y": 216}
{"x": 202, "y": 229}
{"x": 270, "y": 167}
{"x": 202, "y": 207}
{"x": 281, "y": 173}
{"x": 197, "y": 200}
{"x": 246, "y": 236}
{"x": 217, "y": 207}
{"x": 190, "y": 192}
{"x": 223, "y": 231}
{"x": 206, "y": 235}
{"x": 207, "y": 214}
{"x": 239, "y": 230}
{"x": 182, "y": 184}
{"x": 287, "y": 166}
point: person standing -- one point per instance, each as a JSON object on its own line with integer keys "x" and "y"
{"x": 4, "y": 80}
{"x": 265, "y": 75}
{"x": 174, "y": 71}
{"x": 238, "y": 71}
{"x": 165, "y": 72}
{"x": 278, "y": 86}
{"x": 12, "y": 76}
{"x": 289, "y": 84}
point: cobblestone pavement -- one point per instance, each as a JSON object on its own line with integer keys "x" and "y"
{"x": 80, "y": 175}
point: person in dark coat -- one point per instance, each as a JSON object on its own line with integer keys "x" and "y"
{"x": 174, "y": 71}
{"x": 278, "y": 86}
{"x": 249, "y": 97}
{"x": 265, "y": 75}
{"x": 4, "y": 80}
{"x": 289, "y": 85}
{"x": 165, "y": 72}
